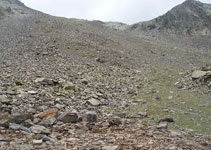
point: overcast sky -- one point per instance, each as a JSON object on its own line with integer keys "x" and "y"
{"x": 127, "y": 11}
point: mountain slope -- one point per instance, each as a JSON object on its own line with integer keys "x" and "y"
{"x": 190, "y": 18}
{"x": 57, "y": 72}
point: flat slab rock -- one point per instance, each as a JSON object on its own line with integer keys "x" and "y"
{"x": 198, "y": 74}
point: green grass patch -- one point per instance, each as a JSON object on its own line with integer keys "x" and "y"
{"x": 190, "y": 110}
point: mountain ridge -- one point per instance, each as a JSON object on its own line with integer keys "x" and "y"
{"x": 189, "y": 18}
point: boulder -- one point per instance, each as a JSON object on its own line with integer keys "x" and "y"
{"x": 198, "y": 74}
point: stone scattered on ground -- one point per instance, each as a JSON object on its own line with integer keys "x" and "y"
{"x": 90, "y": 116}
{"x": 38, "y": 129}
{"x": 68, "y": 117}
{"x": 94, "y": 102}
{"x": 2, "y": 138}
{"x": 198, "y": 74}
{"x": 162, "y": 125}
{"x": 4, "y": 100}
{"x": 61, "y": 80}
{"x": 37, "y": 142}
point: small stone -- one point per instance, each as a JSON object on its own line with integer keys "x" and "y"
{"x": 32, "y": 92}
{"x": 19, "y": 82}
{"x": 100, "y": 60}
{"x": 10, "y": 92}
{"x": 28, "y": 123}
{"x": 44, "y": 81}
{"x": 170, "y": 97}
{"x": 31, "y": 111}
{"x": 5, "y": 120}
{"x": 166, "y": 110}
{"x": 173, "y": 148}
{"x": 176, "y": 134}
{"x": 38, "y": 129}
{"x": 84, "y": 81}
{"x": 68, "y": 117}
{"x": 114, "y": 122}
{"x": 14, "y": 126}
{"x": 90, "y": 116}
{"x": 2, "y": 138}
{"x": 69, "y": 87}
{"x": 121, "y": 115}
{"x": 48, "y": 121}
{"x": 4, "y": 100}
{"x": 162, "y": 125}
{"x": 93, "y": 102}
{"x": 49, "y": 113}
{"x": 59, "y": 106}
{"x": 72, "y": 139}
{"x": 143, "y": 114}
{"x": 39, "y": 80}
{"x": 19, "y": 118}
{"x": 110, "y": 148}
{"x": 158, "y": 98}
{"x": 37, "y": 142}
{"x": 166, "y": 120}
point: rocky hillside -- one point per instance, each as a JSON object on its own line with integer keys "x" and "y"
{"x": 189, "y": 18}
{"x": 76, "y": 84}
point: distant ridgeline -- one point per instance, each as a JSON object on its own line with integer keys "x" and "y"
{"x": 189, "y": 18}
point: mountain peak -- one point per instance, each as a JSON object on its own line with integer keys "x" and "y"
{"x": 189, "y": 18}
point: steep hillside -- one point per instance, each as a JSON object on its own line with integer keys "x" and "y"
{"x": 76, "y": 84}
{"x": 190, "y": 18}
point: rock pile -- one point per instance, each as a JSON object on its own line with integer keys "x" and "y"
{"x": 197, "y": 80}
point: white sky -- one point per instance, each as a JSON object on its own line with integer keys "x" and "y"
{"x": 127, "y": 11}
